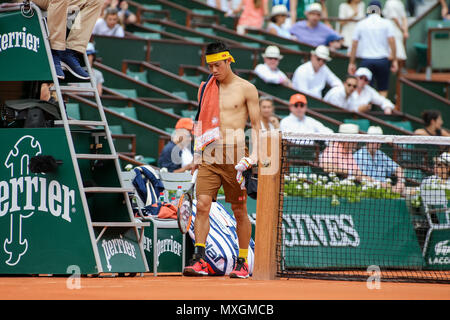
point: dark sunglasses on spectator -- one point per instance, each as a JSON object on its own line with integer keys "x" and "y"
{"x": 352, "y": 85}
{"x": 300, "y": 104}
{"x": 272, "y": 58}
{"x": 321, "y": 60}
{"x": 364, "y": 78}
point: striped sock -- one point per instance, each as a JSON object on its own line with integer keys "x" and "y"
{"x": 243, "y": 253}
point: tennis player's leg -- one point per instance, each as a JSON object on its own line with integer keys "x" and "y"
{"x": 208, "y": 183}
{"x": 238, "y": 199}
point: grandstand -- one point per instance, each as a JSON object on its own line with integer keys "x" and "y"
{"x": 152, "y": 77}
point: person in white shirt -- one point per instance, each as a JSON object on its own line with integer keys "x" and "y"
{"x": 312, "y": 76}
{"x": 351, "y": 9}
{"x": 342, "y": 96}
{"x": 395, "y": 11}
{"x": 277, "y": 22}
{"x": 298, "y": 121}
{"x": 364, "y": 95}
{"x": 268, "y": 71}
{"x": 109, "y": 25}
{"x": 374, "y": 43}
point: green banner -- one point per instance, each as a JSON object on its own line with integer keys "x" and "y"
{"x": 42, "y": 222}
{"x": 437, "y": 254}
{"x": 119, "y": 250}
{"x": 169, "y": 249}
{"x": 23, "y": 56}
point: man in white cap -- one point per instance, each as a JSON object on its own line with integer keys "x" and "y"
{"x": 312, "y": 76}
{"x": 312, "y": 31}
{"x": 374, "y": 43}
{"x": 375, "y": 164}
{"x": 269, "y": 71}
{"x": 441, "y": 172}
{"x": 364, "y": 95}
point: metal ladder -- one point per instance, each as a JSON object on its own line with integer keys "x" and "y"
{"x": 68, "y": 124}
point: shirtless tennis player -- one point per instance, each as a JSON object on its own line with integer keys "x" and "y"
{"x": 227, "y": 103}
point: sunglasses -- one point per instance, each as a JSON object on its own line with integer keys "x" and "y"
{"x": 321, "y": 60}
{"x": 351, "y": 85}
{"x": 363, "y": 78}
{"x": 271, "y": 58}
{"x": 300, "y": 104}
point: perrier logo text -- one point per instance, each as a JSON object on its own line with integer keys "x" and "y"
{"x": 24, "y": 194}
{"x": 19, "y": 39}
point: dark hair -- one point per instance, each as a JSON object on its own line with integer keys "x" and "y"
{"x": 429, "y": 115}
{"x": 216, "y": 47}
{"x": 349, "y": 76}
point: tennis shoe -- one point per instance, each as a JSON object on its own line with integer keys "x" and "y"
{"x": 240, "y": 270}
{"x": 70, "y": 62}
{"x": 57, "y": 62}
{"x": 197, "y": 267}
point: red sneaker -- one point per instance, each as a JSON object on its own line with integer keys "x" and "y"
{"x": 197, "y": 267}
{"x": 240, "y": 270}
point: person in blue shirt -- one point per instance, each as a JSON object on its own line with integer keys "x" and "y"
{"x": 375, "y": 164}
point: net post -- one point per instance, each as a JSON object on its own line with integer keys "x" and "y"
{"x": 267, "y": 206}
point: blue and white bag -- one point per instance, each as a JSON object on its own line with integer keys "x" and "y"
{"x": 222, "y": 246}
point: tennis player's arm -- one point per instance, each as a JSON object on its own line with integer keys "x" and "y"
{"x": 252, "y": 100}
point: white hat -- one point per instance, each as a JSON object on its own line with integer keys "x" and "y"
{"x": 272, "y": 52}
{"x": 364, "y": 72}
{"x": 314, "y": 7}
{"x": 322, "y": 52}
{"x": 350, "y": 128}
{"x": 279, "y": 10}
{"x": 443, "y": 158}
{"x": 374, "y": 130}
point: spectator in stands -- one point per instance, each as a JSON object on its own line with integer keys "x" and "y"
{"x": 395, "y": 11}
{"x": 374, "y": 43}
{"x": 269, "y": 71}
{"x": 338, "y": 156}
{"x": 125, "y": 15}
{"x": 177, "y": 155}
{"x": 445, "y": 11}
{"x": 441, "y": 172}
{"x": 98, "y": 76}
{"x": 364, "y": 95}
{"x": 312, "y": 31}
{"x": 312, "y": 76}
{"x": 268, "y": 120}
{"x": 277, "y": 22}
{"x": 109, "y": 25}
{"x": 334, "y": 43}
{"x": 298, "y": 121}
{"x": 252, "y": 16}
{"x": 342, "y": 96}
{"x": 375, "y": 164}
{"x": 354, "y": 10}
{"x": 292, "y": 9}
{"x": 65, "y": 51}
{"x": 225, "y": 5}
{"x": 433, "y": 124}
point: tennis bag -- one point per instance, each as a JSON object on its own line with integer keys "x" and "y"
{"x": 222, "y": 246}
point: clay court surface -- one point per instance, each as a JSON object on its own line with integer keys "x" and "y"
{"x": 212, "y": 288}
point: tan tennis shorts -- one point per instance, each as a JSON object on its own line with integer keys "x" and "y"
{"x": 213, "y": 173}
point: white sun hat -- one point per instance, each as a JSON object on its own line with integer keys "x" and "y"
{"x": 322, "y": 52}
{"x": 272, "y": 52}
{"x": 349, "y": 128}
{"x": 279, "y": 10}
{"x": 375, "y": 130}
